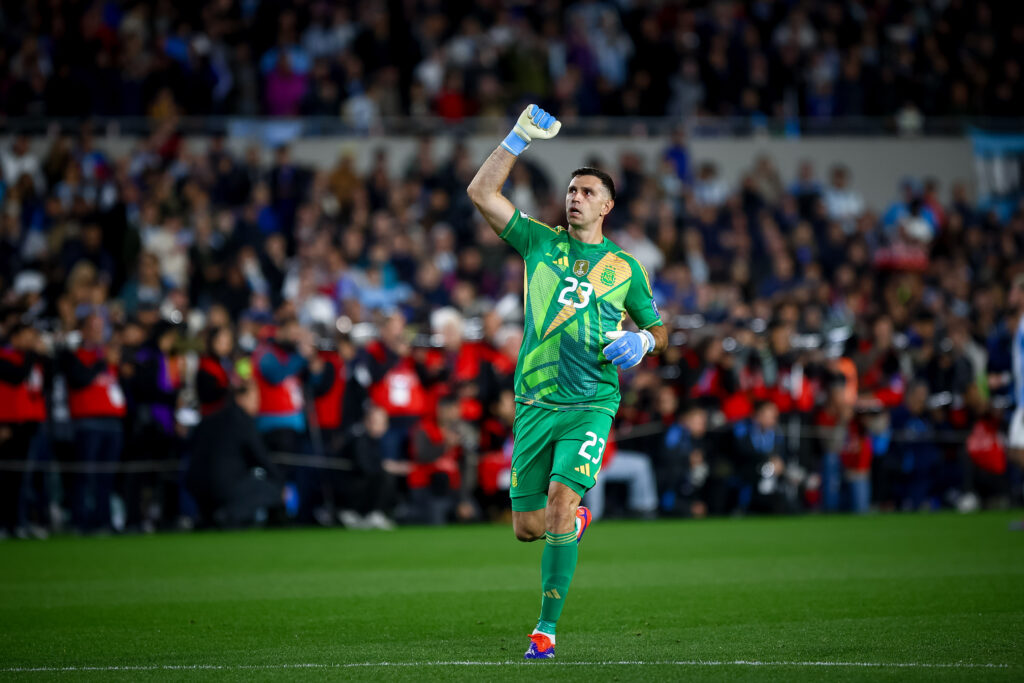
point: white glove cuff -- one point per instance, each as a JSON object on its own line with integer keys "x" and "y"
{"x": 648, "y": 341}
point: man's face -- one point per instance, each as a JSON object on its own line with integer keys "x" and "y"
{"x": 767, "y": 416}
{"x": 289, "y": 332}
{"x": 586, "y": 201}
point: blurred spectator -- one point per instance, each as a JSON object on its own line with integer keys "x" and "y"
{"x": 22, "y": 412}
{"x": 632, "y": 468}
{"x": 683, "y": 467}
{"x": 216, "y": 376}
{"x": 443, "y": 474}
{"x": 281, "y": 367}
{"x": 370, "y": 488}
{"x": 233, "y": 480}
{"x": 97, "y": 404}
{"x": 821, "y": 61}
{"x": 842, "y": 202}
{"x": 153, "y": 388}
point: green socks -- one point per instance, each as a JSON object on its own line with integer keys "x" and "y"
{"x": 557, "y": 565}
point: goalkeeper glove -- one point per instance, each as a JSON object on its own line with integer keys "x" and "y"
{"x": 533, "y": 123}
{"x": 628, "y": 348}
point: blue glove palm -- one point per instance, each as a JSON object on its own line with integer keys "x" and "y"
{"x": 628, "y": 348}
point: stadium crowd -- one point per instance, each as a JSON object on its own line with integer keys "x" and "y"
{"x": 363, "y": 61}
{"x": 218, "y": 338}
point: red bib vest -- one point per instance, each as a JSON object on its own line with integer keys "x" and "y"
{"x": 103, "y": 396}
{"x": 23, "y": 402}
{"x": 284, "y": 398}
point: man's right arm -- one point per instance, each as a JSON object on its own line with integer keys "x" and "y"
{"x": 485, "y": 189}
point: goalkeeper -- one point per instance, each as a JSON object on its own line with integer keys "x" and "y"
{"x": 579, "y": 288}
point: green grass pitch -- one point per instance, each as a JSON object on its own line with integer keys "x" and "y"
{"x": 895, "y": 598}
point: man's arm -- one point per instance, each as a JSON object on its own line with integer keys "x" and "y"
{"x": 485, "y": 189}
{"x": 660, "y": 334}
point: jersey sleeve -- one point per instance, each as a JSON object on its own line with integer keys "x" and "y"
{"x": 521, "y": 232}
{"x": 639, "y": 300}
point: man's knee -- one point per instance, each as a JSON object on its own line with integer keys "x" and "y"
{"x": 560, "y": 515}
{"x": 528, "y": 528}
{"x": 527, "y": 535}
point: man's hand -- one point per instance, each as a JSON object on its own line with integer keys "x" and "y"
{"x": 628, "y": 348}
{"x": 533, "y": 124}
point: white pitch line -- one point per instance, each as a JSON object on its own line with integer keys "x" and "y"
{"x": 692, "y": 663}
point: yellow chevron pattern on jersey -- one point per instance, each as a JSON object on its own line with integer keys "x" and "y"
{"x": 618, "y": 267}
{"x": 574, "y": 294}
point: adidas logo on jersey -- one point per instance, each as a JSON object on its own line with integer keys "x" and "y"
{"x": 584, "y": 469}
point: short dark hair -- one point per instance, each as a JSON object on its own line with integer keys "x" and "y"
{"x": 605, "y": 179}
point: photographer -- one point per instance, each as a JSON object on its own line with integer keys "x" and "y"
{"x": 759, "y": 464}
{"x": 280, "y": 367}
{"x": 97, "y": 406}
{"x": 216, "y": 377}
{"x": 22, "y": 411}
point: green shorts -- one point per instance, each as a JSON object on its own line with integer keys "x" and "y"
{"x": 563, "y": 446}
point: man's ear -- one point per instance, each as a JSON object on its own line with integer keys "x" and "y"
{"x": 609, "y": 205}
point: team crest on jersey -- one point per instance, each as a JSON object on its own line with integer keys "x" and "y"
{"x": 580, "y": 268}
{"x": 608, "y": 277}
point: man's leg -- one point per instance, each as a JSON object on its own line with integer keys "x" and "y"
{"x": 558, "y": 563}
{"x": 532, "y": 455}
{"x": 578, "y": 454}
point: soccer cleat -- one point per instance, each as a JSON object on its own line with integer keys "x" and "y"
{"x": 582, "y": 522}
{"x": 541, "y": 647}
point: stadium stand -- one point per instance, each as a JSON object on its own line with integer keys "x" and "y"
{"x": 826, "y": 353}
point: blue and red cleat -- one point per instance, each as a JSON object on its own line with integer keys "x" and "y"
{"x": 541, "y": 647}
{"x": 583, "y": 518}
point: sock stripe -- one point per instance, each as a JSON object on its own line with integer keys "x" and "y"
{"x": 560, "y": 539}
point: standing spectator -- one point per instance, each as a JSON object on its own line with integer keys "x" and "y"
{"x": 97, "y": 405}
{"x": 842, "y": 202}
{"x": 915, "y": 456}
{"x": 284, "y": 88}
{"x": 19, "y": 160}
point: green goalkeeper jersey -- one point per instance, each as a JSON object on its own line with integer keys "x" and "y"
{"x": 575, "y": 293}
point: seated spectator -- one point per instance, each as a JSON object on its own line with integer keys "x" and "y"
{"x": 632, "y": 468}
{"x": 368, "y": 492}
